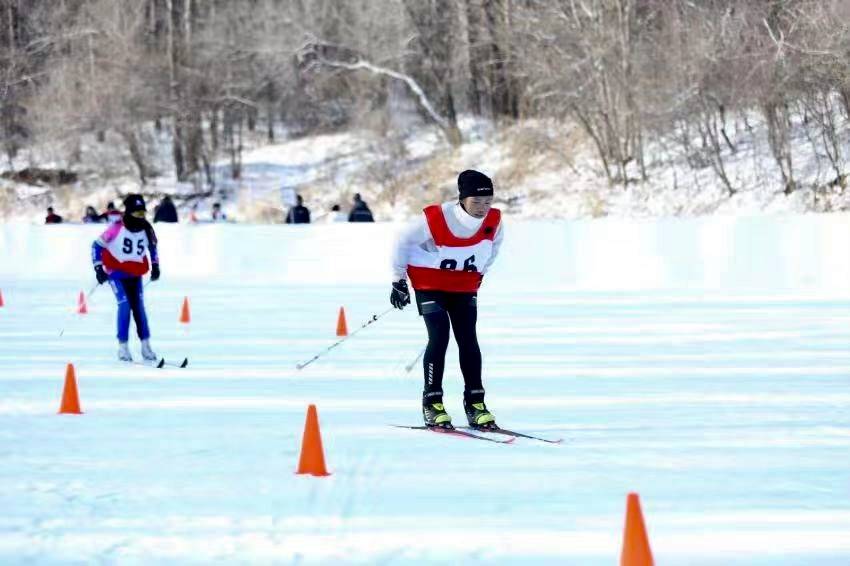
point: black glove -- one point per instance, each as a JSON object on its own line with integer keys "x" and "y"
{"x": 100, "y": 274}
{"x": 400, "y": 295}
{"x": 155, "y": 272}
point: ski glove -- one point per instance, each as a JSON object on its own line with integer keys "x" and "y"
{"x": 155, "y": 272}
{"x": 400, "y": 295}
{"x": 100, "y": 274}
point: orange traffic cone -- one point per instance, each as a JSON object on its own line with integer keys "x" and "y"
{"x": 1, "y": 298}
{"x": 70, "y": 397}
{"x": 341, "y": 326}
{"x": 81, "y": 304}
{"x": 636, "y": 551}
{"x": 312, "y": 459}
{"x": 184, "y": 313}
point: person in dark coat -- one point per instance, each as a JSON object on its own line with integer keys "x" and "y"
{"x": 91, "y": 217}
{"x": 111, "y": 214}
{"x": 52, "y": 217}
{"x": 217, "y": 214}
{"x": 165, "y": 211}
{"x": 360, "y": 211}
{"x": 298, "y": 214}
{"x": 337, "y": 215}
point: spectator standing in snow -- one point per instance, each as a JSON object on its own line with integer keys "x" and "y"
{"x": 217, "y": 214}
{"x": 111, "y": 215}
{"x": 298, "y": 214}
{"x": 360, "y": 211}
{"x": 91, "y": 217}
{"x": 52, "y": 217}
{"x": 337, "y": 215}
{"x": 165, "y": 211}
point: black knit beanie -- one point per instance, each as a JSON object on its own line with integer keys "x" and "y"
{"x": 472, "y": 183}
{"x": 134, "y": 203}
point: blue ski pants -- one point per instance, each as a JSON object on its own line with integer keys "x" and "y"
{"x": 130, "y": 296}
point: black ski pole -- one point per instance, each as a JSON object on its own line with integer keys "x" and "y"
{"x": 372, "y": 320}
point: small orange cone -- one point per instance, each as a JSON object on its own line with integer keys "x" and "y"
{"x": 636, "y": 551}
{"x": 184, "y": 313}
{"x": 81, "y": 304}
{"x": 70, "y": 397}
{"x": 341, "y": 326}
{"x": 1, "y": 299}
{"x": 312, "y": 459}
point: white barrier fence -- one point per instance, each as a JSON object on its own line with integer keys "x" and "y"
{"x": 802, "y": 253}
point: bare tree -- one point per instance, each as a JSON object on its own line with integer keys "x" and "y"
{"x": 632, "y": 74}
{"x": 585, "y": 64}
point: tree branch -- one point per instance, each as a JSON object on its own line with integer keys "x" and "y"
{"x": 406, "y": 79}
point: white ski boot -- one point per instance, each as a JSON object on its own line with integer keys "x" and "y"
{"x": 147, "y": 353}
{"x": 124, "y": 352}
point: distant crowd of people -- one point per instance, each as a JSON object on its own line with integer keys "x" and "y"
{"x": 360, "y": 212}
{"x": 111, "y": 214}
{"x": 166, "y": 211}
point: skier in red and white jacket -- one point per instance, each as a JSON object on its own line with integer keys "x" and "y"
{"x": 120, "y": 256}
{"x": 446, "y": 253}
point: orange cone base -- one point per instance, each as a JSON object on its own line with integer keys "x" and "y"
{"x": 314, "y": 474}
{"x": 70, "y": 396}
{"x": 312, "y": 461}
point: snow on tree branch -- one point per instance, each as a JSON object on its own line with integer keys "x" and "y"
{"x": 406, "y": 79}
{"x": 314, "y": 55}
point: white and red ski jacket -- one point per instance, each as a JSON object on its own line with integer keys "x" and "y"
{"x": 119, "y": 249}
{"x": 446, "y": 249}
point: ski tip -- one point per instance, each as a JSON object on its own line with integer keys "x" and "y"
{"x": 185, "y": 362}
{"x": 161, "y": 363}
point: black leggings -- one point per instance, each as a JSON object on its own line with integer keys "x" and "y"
{"x": 459, "y": 311}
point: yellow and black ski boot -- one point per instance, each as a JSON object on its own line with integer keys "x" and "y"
{"x": 436, "y": 416}
{"x": 479, "y": 417}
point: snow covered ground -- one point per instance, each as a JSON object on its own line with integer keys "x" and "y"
{"x": 700, "y": 363}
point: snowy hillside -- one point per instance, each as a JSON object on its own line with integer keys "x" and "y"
{"x": 700, "y": 363}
